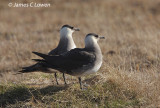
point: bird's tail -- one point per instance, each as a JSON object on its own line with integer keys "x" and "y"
{"x": 32, "y": 68}
{"x": 40, "y": 54}
{"x": 40, "y": 66}
{"x": 47, "y": 61}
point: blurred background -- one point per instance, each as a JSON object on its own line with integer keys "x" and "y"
{"x": 131, "y": 50}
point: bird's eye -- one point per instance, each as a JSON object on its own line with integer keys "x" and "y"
{"x": 96, "y": 36}
{"x": 71, "y": 27}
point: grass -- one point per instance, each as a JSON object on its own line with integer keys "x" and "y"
{"x": 129, "y": 76}
{"x": 107, "y": 94}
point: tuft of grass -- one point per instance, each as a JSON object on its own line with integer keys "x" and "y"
{"x": 13, "y": 93}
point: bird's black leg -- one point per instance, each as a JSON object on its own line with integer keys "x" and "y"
{"x": 56, "y": 78}
{"x": 80, "y": 82}
{"x": 64, "y": 79}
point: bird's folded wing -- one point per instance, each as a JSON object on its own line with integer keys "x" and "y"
{"x": 76, "y": 59}
{"x": 71, "y": 60}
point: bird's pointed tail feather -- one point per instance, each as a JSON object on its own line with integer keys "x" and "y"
{"x": 40, "y": 54}
{"x": 38, "y": 60}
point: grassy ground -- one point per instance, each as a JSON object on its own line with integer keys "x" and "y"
{"x": 129, "y": 76}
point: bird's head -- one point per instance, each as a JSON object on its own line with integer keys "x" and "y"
{"x": 68, "y": 30}
{"x": 92, "y": 38}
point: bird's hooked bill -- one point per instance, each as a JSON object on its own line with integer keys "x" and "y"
{"x": 101, "y": 37}
{"x": 76, "y": 29}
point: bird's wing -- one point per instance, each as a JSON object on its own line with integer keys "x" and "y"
{"x": 77, "y": 58}
{"x": 71, "y": 60}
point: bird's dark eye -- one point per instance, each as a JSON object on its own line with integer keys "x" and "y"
{"x": 96, "y": 36}
{"x": 71, "y": 27}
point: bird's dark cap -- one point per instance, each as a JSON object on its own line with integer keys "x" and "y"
{"x": 68, "y": 26}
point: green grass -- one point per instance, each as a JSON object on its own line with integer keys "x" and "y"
{"x": 108, "y": 94}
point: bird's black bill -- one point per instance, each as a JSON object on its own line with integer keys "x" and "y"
{"x": 76, "y": 29}
{"x": 101, "y": 37}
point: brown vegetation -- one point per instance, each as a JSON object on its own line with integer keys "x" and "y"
{"x": 131, "y": 50}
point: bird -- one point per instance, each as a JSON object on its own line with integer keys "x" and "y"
{"x": 76, "y": 62}
{"x": 66, "y": 43}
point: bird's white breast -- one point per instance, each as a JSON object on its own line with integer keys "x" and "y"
{"x": 90, "y": 68}
{"x": 95, "y": 68}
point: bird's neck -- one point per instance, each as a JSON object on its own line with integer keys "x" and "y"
{"x": 93, "y": 46}
{"x": 67, "y": 41}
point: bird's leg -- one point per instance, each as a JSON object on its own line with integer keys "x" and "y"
{"x": 80, "y": 82}
{"x": 56, "y": 78}
{"x": 64, "y": 79}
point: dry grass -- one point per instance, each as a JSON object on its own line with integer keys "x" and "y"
{"x": 131, "y": 50}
